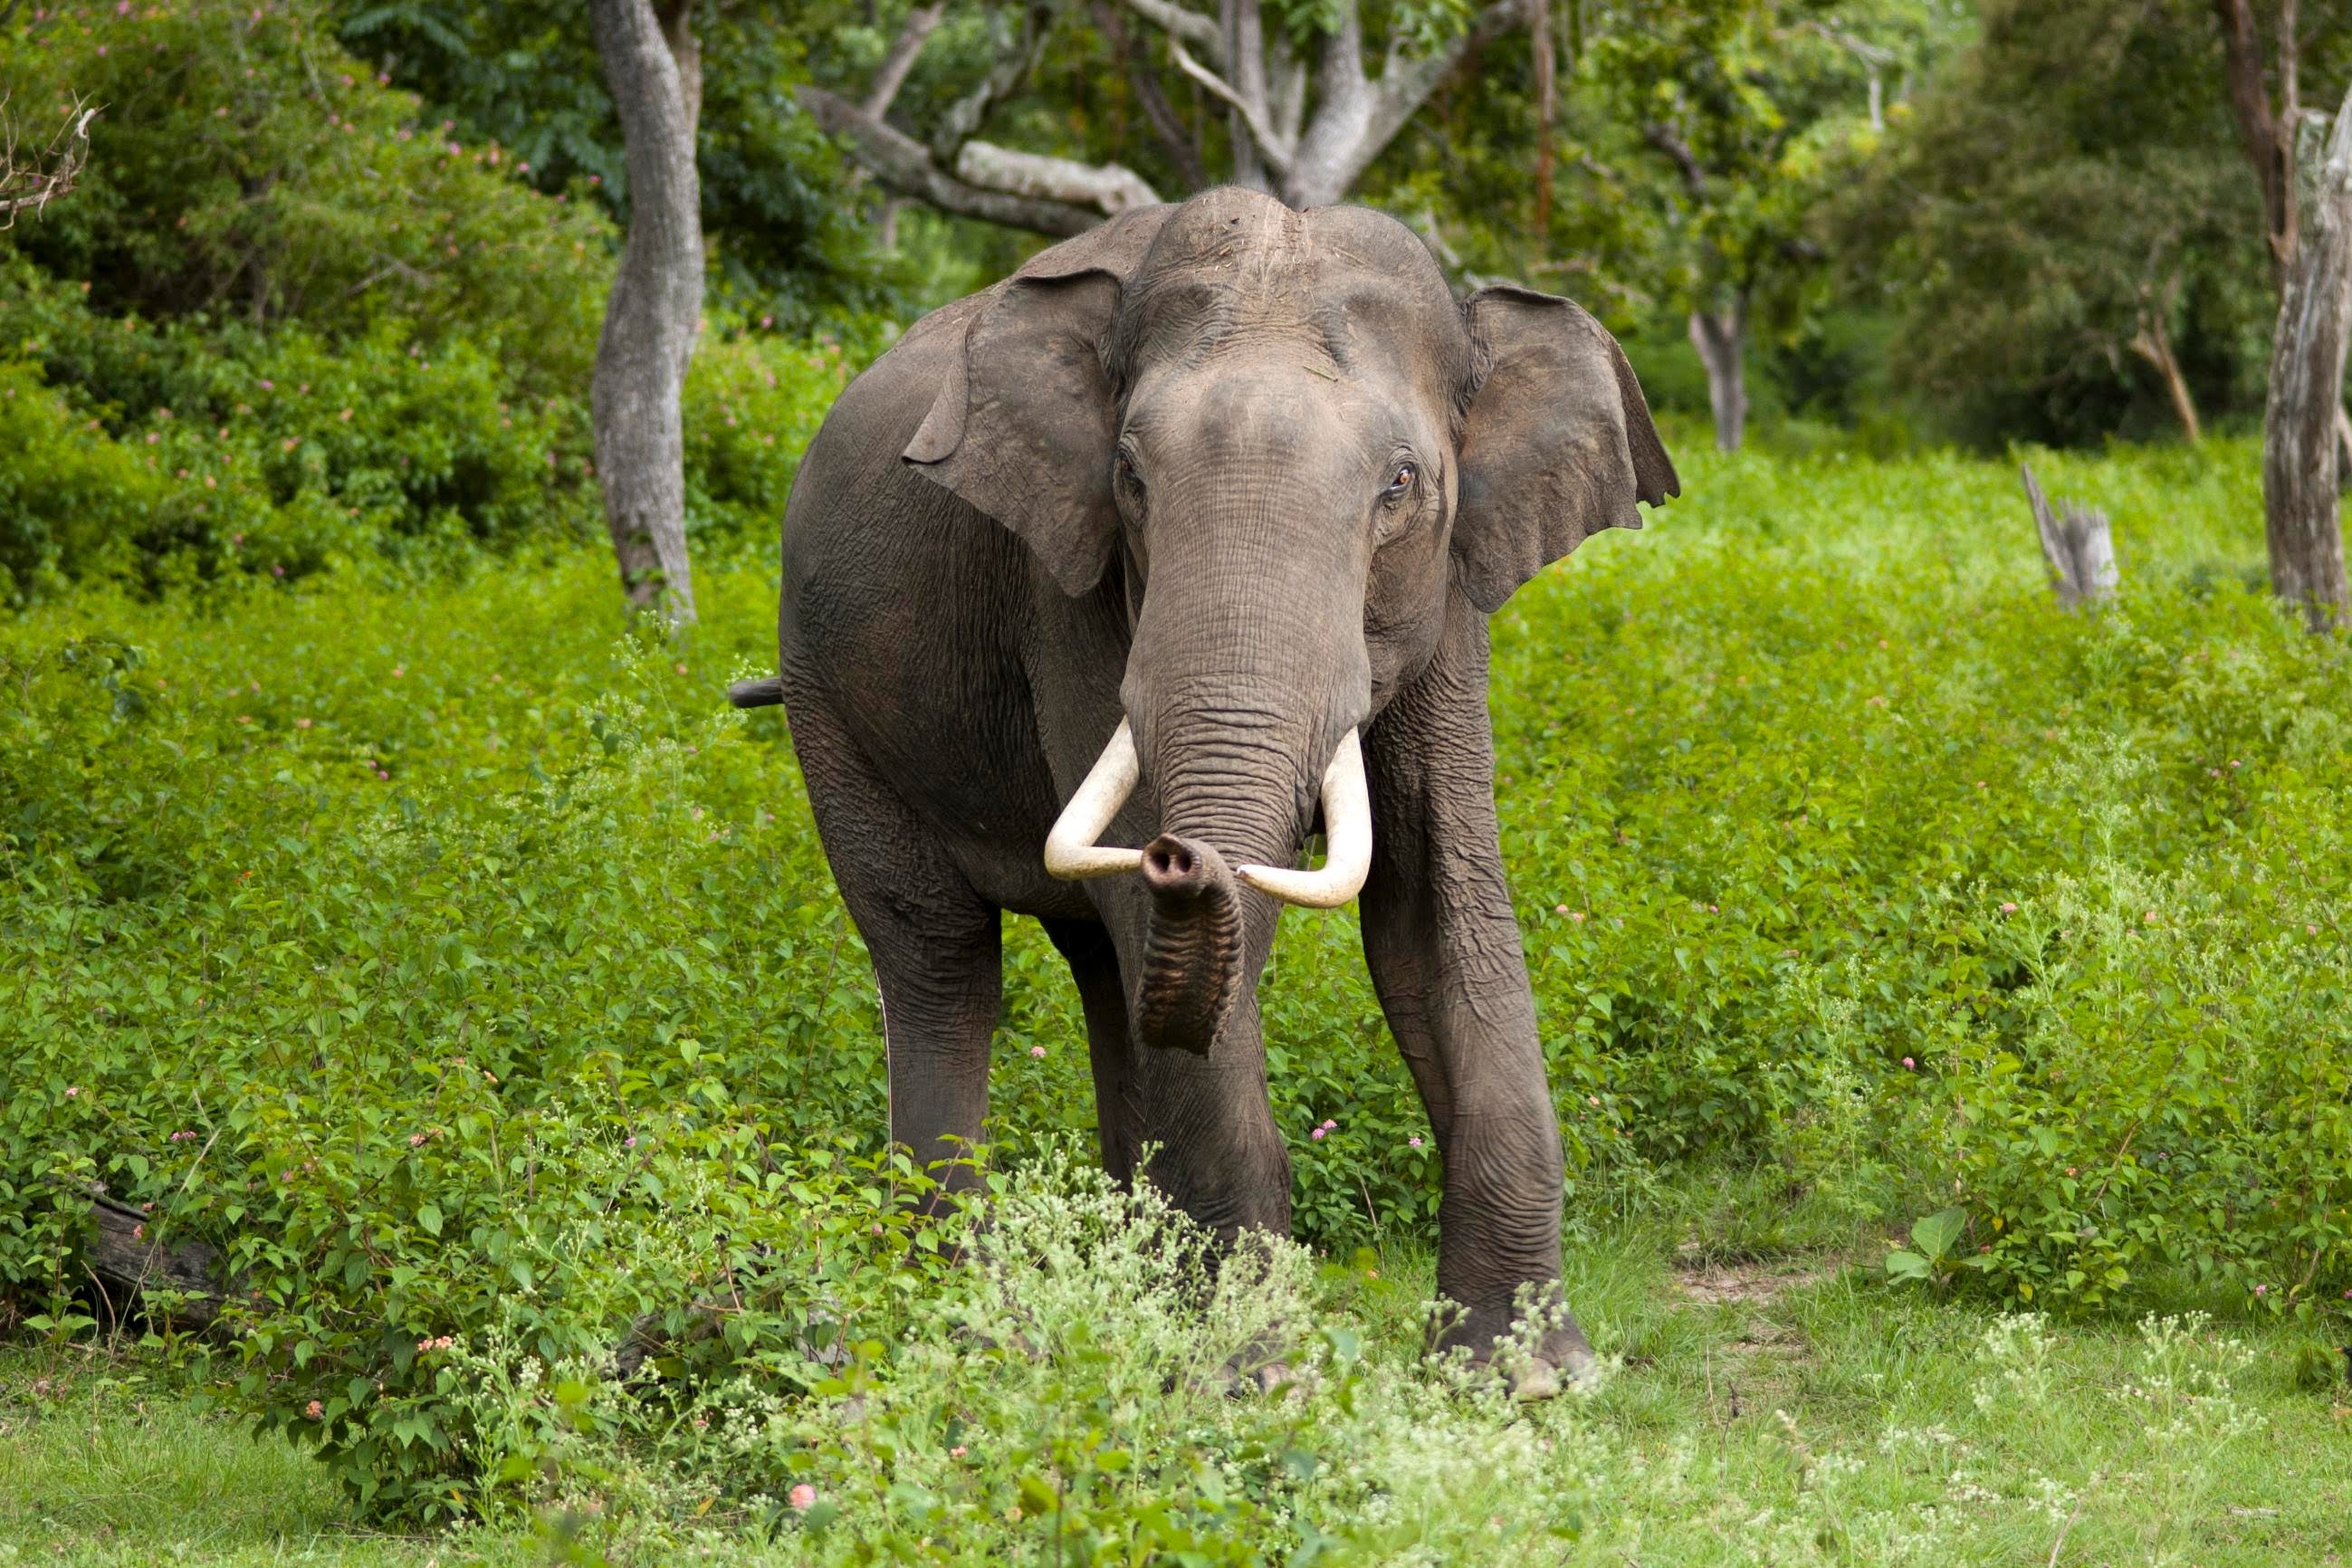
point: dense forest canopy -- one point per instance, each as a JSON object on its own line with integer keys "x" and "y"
{"x": 1874, "y": 222}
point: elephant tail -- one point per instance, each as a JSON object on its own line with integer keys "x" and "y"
{"x": 765, "y": 691}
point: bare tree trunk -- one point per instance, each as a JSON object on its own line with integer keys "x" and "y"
{"x": 1721, "y": 339}
{"x": 1547, "y": 104}
{"x": 2152, "y": 344}
{"x": 1245, "y": 34}
{"x": 2268, "y": 137}
{"x": 2299, "y": 424}
{"x": 655, "y": 70}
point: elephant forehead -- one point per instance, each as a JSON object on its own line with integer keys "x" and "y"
{"x": 1331, "y": 320}
{"x": 1233, "y": 272}
{"x": 1229, "y": 231}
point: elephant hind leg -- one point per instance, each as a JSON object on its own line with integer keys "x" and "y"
{"x": 1102, "y": 993}
{"x": 936, "y": 944}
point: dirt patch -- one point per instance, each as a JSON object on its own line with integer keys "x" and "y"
{"x": 1744, "y": 1283}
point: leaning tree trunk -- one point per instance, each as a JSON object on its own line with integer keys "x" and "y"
{"x": 656, "y": 73}
{"x": 2306, "y": 389}
{"x": 1721, "y": 339}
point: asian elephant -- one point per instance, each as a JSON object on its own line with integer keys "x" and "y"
{"x": 1108, "y": 585}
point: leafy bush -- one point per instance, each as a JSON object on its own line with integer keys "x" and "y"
{"x": 245, "y": 168}
{"x": 359, "y": 928}
{"x": 286, "y": 325}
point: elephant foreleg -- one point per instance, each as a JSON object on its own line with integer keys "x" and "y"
{"x": 1094, "y": 965}
{"x": 1443, "y": 945}
{"x": 936, "y": 944}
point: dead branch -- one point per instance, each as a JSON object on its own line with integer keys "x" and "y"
{"x": 31, "y": 185}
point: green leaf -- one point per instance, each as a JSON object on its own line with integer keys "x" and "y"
{"x": 1938, "y": 1231}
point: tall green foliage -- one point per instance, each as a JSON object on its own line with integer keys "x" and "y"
{"x": 2071, "y": 187}
{"x": 782, "y": 233}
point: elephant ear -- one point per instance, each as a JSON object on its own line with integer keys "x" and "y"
{"x": 1026, "y": 424}
{"x": 1558, "y": 445}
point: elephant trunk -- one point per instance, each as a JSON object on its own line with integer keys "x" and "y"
{"x": 1193, "y": 948}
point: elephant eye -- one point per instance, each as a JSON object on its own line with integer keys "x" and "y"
{"x": 1126, "y": 470}
{"x": 1400, "y": 481}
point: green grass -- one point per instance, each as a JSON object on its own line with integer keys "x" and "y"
{"x": 1789, "y": 1411}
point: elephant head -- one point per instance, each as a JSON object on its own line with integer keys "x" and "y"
{"x": 1281, "y": 440}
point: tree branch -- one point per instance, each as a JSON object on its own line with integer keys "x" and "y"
{"x": 1694, "y": 173}
{"x": 1113, "y": 187}
{"x": 1178, "y": 23}
{"x": 906, "y": 166}
{"x": 1270, "y": 145}
{"x": 29, "y": 187}
{"x": 892, "y": 74}
{"x": 968, "y": 113}
{"x": 2258, "y": 128}
{"x": 1167, "y": 126}
{"x": 1405, "y": 85}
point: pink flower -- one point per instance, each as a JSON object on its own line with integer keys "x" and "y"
{"x": 268, "y": 386}
{"x": 2008, "y": 908}
{"x": 802, "y": 1497}
{"x": 2070, "y": 1170}
{"x": 1908, "y": 1063}
{"x": 956, "y": 1452}
{"x": 1319, "y": 1133}
{"x": 314, "y": 1410}
{"x": 1413, "y": 1141}
{"x": 1037, "y": 1051}
{"x": 1559, "y": 908}
{"x": 398, "y": 670}
{"x": 71, "y": 1093}
{"x": 2261, "y": 1289}
{"x": 415, "y": 1140}
{"x": 2150, "y": 917}
{"x": 1577, "y": 915}
{"x": 301, "y": 723}
{"x": 1329, "y": 1124}
{"x": 630, "y": 1142}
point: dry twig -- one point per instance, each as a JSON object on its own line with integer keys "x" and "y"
{"x": 30, "y": 185}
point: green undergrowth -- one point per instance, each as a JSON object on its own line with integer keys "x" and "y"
{"x": 465, "y": 970}
{"x": 1048, "y": 1405}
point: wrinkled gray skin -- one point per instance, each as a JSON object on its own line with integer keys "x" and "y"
{"x": 1157, "y": 474}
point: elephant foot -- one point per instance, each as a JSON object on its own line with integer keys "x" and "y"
{"x": 1574, "y": 1371}
{"x": 1275, "y": 1377}
{"x": 1248, "y": 1376}
{"x": 1537, "y": 1348}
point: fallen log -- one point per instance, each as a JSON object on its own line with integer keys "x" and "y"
{"x": 178, "y": 1283}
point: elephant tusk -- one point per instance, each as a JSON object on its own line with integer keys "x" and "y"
{"x": 1348, "y": 838}
{"x": 1071, "y": 853}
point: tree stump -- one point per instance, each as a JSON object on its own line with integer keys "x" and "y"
{"x": 2075, "y": 543}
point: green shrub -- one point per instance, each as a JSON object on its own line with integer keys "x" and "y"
{"x": 244, "y": 168}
